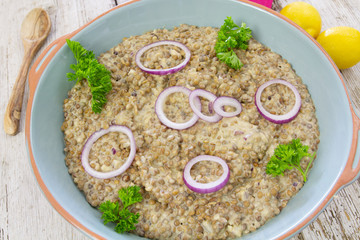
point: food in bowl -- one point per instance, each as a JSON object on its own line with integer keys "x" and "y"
{"x": 169, "y": 209}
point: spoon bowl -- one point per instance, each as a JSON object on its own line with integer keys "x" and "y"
{"x": 36, "y": 25}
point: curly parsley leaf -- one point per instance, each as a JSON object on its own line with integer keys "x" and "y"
{"x": 124, "y": 219}
{"x": 110, "y": 211}
{"x": 231, "y": 36}
{"x": 127, "y": 221}
{"x": 97, "y": 76}
{"x": 231, "y": 59}
{"x": 130, "y": 195}
{"x": 289, "y": 156}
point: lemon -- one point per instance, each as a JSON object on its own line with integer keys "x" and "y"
{"x": 342, "y": 44}
{"x": 304, "y": 15}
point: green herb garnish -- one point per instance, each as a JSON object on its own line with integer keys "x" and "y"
{"x": 231, "y": 36}
{"x": 288, "y": 156}
{"x": 124, "y": 219}
{"x": 97, "y": 76}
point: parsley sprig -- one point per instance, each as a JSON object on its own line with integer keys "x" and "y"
{"x": 97, "y": 76}
{"x": 231, "y": 36}
{"x": 289, "y": 156}
{"x": 124, "y": 219}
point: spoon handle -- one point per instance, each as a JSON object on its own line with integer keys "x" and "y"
{"x": 13, "y": 109}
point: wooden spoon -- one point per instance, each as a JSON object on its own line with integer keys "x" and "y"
{"x": 34, "y": 30}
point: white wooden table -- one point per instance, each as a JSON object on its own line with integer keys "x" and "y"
{"x": 24, "y": 211}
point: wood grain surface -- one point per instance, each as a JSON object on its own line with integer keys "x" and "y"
{"x": 24, "y": 211}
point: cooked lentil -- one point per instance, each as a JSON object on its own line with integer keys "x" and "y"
{"x": 169, "y": 209}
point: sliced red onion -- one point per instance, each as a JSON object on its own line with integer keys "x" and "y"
{"x": 194, "y": 96}
{"x": 279, "y": 119}
{"x": 210, "y": 107}
{"x": 220, "y": 102}
{"x": 160, "y": 101}
{"x": 206, "y": 187}
{"x": 93, "y": 138}
{"x": 163, "y": 71}
{"x": 246, "y": 137}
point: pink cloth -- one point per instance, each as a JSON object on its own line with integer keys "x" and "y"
{"x": 266, "y": 3}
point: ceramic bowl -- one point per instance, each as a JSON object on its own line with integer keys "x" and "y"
{"x": 334, "y": 166}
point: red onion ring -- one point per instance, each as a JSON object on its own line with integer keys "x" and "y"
{"x": 206, "y": 187}
{"x": 194, "y": 95}
{"x": 220, "y": 102}
{"x": 279, "y": 119}
{"x": 93, "y": 138}
{"x": 163, "y": 71}
{"x": 160, "y": 112}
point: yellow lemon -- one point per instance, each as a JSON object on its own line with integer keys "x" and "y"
{"x": 304, "y": 15}
{"x": 342, "y": 44}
